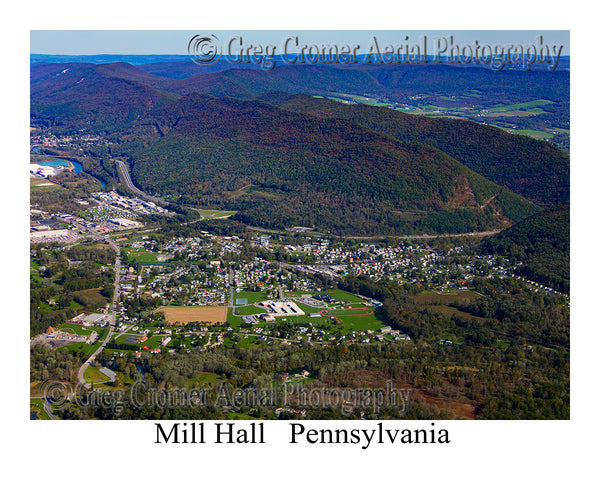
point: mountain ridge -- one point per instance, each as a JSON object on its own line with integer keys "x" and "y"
{"x": 226, "y": 144}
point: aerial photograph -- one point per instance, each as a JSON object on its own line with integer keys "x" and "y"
{"x": 300, "y": 225}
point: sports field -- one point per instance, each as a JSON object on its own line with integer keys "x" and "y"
{"x": 203, "y": 315}
{"x": 344, "y": 312}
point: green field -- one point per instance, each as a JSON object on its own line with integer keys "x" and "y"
{"x": 94, "y": 375}
{"x": 374, "y": 102}
{"x": 338, "y": 294}
{"x": 252, "y": 297}
{"x": 34, "y": 274}
{"x": 205, "y": 378}
{"x": 538, "y": 134}
{"x": 81, "y": 348}
{"x": 448, "y": 298}
{"x": 362, "y": 322}
{"x": 528, "y": 106}
{"x": 141, "y": 255}
{"x": 218, "y": 213}
{"x": 80, "y": 329}
{"x": 308, "y": 309}
{"x": 36, "y": 406}
{"x": 249, "y": 310}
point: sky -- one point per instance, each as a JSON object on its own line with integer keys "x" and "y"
{"x": 175, "y": 42}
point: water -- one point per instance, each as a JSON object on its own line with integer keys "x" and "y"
{"x": 77, "y": 167}
{"x": 62, "y": 163}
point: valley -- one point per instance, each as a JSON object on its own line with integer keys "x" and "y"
{"x": 240, "y": 229}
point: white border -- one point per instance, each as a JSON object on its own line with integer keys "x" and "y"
{"x": 478, "y": 449}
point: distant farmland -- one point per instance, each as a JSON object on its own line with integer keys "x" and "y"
{"x": 203, "y": 315}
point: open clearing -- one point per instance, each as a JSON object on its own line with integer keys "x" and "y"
{"x": 203, "y": 315}
{"x": 345, "y": 312}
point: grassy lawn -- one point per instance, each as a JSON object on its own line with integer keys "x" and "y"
{"x": 249, "y": 310}
{"x": 218, "y": 213}
{"x": 34, "y": 274}
{"x": 94, "y": 375}
{"x": 233, "y": 320}
{"x": 204, "y": 378}
{"x": 316, "y": 321}
{"x": 338, "y": 294}
{"x": 248, "y": 341}
{"x": 308, "y": 309}
{"x": 142, "y": 256}
{"x": 36, "y": 406}
{"x": 431, "y": 298}
{"x": 81, "y": 347}
{"x": 239, "y": 416}
{"x": 80, "y": 329}
{"x": 93, "y": 296}
{"x": 252, "y": 297}
{"x": 362, "y": 322}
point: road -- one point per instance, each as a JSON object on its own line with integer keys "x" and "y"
{"x": 231, "y": 278}
{"x": 126, "y": 179}
{"x": 383, "y": 237}
{"x": 113, "y": 311}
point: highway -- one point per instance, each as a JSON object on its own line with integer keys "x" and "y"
{"x": 126, "y": 180}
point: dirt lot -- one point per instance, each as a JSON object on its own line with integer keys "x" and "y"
{"x": 203, "y": 315}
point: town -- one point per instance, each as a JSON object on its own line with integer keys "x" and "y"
{"x": 267, "y": 288}
{"x": 124, "y": 277}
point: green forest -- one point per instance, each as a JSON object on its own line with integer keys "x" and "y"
{"x": 280, "y": 169}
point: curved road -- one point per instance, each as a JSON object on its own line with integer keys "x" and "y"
{"x": 126, "y": 179}
{"x": 113, "y": 312}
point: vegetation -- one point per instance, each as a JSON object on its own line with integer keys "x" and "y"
{"x": 541, "y": 242}
{"x": 68, "y": 282}
{"x": 279, "y": 169}
{"x": 489, "y": 151}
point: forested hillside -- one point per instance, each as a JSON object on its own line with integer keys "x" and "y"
{"x": 532, "y": 168}
{"x": 281, "y": 169}
{"x": 542, "y": 243}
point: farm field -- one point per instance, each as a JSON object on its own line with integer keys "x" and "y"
{"x": 533, "y": 105}
{"x": 184, "y": 315}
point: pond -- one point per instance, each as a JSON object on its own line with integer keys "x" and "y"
{"x": 64, "y": 163}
